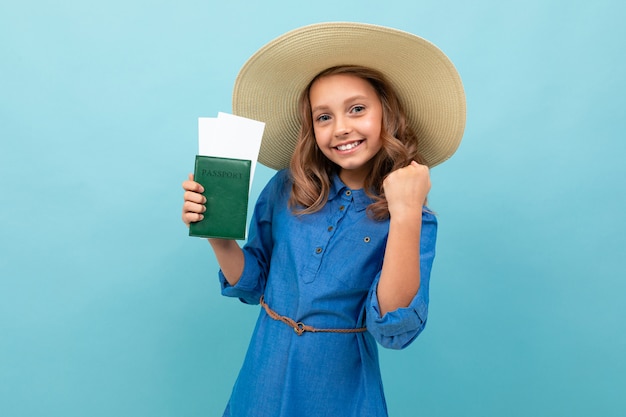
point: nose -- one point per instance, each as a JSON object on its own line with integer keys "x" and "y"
{"x": 342, "y": 127}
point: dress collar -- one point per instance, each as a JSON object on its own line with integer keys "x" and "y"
{"x": 338, "y": 190}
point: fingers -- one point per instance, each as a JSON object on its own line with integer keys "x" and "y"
{"x": 406, "y": 188}
{"x": 194, "y": 201}
{"x": 410, "y": 172}
{"x": 418, "y": 166}
{"x": 192, "y": 212}
{"x": 419, "y": 172}
{"x": 194, "y": 197}
{"x": 189, "y": 218}
{"x": 191, "y": 185}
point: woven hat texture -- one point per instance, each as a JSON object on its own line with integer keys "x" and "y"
{"x": 269, "y": 84}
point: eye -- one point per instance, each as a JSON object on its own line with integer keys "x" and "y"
{"x": 322, "y": 118}
{"x": 357, "y": 109}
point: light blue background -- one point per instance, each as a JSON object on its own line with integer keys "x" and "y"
{"x": 107, "y": 308}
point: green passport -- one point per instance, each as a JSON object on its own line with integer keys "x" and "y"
{"x": 226, "y": 183}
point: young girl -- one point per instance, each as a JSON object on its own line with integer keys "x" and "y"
{"x": 340, "y": 245}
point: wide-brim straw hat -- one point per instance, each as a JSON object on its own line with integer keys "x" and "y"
{"x": 428, "y": 85}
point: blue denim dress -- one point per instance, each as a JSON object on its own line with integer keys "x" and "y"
{"x": 320, "y": 269}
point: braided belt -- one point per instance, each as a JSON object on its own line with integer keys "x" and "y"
{"x": 300, "y": 327}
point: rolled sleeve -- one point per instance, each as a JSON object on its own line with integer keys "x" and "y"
{"x": 399, "y": 328}
{"x": 249, "y": 288}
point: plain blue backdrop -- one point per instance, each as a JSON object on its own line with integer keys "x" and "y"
{"x": 108, "y": 308}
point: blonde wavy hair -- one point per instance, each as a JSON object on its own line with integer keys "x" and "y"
{"x": 312, "y": 171}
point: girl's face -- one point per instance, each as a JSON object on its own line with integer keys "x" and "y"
{"x": 347, "y": 121}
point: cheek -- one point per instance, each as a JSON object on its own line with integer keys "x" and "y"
{"x": 374, "y": 127}
{"x": 316, "y": 137}
{"x": 320, "y": 135}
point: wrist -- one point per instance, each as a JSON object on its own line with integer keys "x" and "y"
{"x": 219, "y": 242}
{"x": 406, "y": 214}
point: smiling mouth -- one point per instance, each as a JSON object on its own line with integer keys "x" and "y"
{"x": 348, "y": 146}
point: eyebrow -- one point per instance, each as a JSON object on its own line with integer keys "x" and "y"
{"x": 349, "y": 99}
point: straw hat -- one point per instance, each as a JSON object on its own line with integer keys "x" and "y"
{"x": 270, "y": 82}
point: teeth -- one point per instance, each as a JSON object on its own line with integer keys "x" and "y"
{"x": 348, "y": 146}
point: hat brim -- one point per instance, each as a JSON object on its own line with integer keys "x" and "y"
{"x": 428, "y": 85}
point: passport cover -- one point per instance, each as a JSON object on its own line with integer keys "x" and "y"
{"x": 226, "y": 183}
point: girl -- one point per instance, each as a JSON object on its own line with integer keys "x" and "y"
{"x": 340, "y": 245}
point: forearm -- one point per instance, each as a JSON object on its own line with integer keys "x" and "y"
{"x": 230, "y": 258}
{"x": 400, "y": 275}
